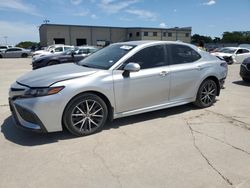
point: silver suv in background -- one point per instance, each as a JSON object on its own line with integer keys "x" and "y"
{"x": 53, "y": 49}
{"x": 4, "y": 47}
{"x": 15, "y": 52}
{"x": 120, "y": 80}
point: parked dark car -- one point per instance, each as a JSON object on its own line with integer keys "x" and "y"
{"x": 70, "y": 56}
{"x": 245, "y": 70}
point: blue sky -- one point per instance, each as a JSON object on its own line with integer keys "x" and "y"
{"x": 20, "y": 19}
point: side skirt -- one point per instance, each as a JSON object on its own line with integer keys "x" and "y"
{"x": 153, "y": 108}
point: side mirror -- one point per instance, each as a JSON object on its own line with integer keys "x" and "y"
{"x": 131, "y": 67}
{"x": 52, "y": 51}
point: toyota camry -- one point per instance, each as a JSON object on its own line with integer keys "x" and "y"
{"x": 120, "y": 80}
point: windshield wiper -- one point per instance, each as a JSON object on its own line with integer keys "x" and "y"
{"x": 92, "y": 66}
{"x": 84, "y": 65}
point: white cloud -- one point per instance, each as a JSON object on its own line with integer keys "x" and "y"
{"x": 86, "y": 13}
{"x": 125, "y": 19}
{"x": 93, "y": 16}
{"x": 19, "y": 6}
{"x": 25, "y": 32}
{"x": 210, "y": 2}
{"x": 163, "y": 25}
{"x": 114, "y": 6}
{"x": 143, "y": 14}
{"x": 82, "y": 13}
{"x": 76, "y": 2}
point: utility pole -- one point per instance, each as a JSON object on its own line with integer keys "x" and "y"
{"x": 5, "y": 38}
{"x": 176, "y": 33}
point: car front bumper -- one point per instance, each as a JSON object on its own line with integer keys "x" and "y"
{"x": 41, "y": 114}
{"x": 25, "y": 118}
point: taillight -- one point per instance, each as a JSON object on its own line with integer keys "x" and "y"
{"x": 224, "y": 64}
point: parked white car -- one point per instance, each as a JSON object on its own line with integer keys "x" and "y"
{"x": 51, "y": 49}
{"x": 15, "y": 52}
{"x": 5, "y": 47}
{"x": 233, "y": 54}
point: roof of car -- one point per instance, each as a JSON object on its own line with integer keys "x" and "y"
{"x": 141, "y": 42}
{"x": 234, "y": 48}
{"x": 86, "y": 47}
{"x": 146, "y": 42}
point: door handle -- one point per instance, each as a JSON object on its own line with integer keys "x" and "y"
{"x": 163, "y": 73}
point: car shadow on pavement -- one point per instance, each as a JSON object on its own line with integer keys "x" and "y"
{"x": 149, "y": 116}
{"x": 28, "y": 138}
{"x": 242, "y": 83}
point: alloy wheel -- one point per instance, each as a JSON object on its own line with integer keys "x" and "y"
{"x": 87, "y": 116}
{"x": 208, "y": 93}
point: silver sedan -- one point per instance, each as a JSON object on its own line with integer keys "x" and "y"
{"x": 15, "y": 52}
{"x": 120, "y": 80}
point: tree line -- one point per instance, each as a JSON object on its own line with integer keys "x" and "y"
{"x": 227, "y": 37}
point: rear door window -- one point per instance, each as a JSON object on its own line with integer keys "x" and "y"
{"x": 183, "y": 54}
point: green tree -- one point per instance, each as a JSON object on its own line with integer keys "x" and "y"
{"x": 217, "y": 40}
{"x": 27, "y": 44}
{"x": 236, "y": 37}
{"x": 196, "y": 38}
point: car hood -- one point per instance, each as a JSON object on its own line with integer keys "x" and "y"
{"x": 47, "y": 76}
{"x": 44, "y": 56}
{"x": 221, "y": 54}
{"x": 40, "y": 51}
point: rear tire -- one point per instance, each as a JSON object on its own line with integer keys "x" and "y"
{"x": 24, "y": 55}
{"x": 1, "y": 56}
{"x": 85, "y": 114}
{"x": 246, "y": 79}
{"x": 206, "y": 94}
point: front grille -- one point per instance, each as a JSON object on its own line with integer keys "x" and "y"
{"x": 26, "y": 115}
{"x": 17, "y": 89}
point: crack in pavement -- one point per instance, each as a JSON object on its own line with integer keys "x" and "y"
{"x": 232, "y": 120}
{"x": 203, "y": 155}
{"x": 221, "y": 141}
{"x": 116, "y": 177}
{"x": 3, "y": 105}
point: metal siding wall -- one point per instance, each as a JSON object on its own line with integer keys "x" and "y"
{"x": 92, "y": 34}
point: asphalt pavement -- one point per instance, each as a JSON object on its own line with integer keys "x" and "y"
{"x": 177, "y": 147}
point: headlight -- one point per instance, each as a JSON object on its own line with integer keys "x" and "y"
{"x": 38, "y": 92}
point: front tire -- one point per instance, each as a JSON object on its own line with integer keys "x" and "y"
{"x": 85, "y": 114}
{"x": 24, "y": 55}
{"x": 206, "y": 94}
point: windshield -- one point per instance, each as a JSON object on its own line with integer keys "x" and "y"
{"x": 49, "y": 48}
{"x": 69, "y": 51}
{"x": 106, "y": 57}
{"x": 227, "y": 50}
